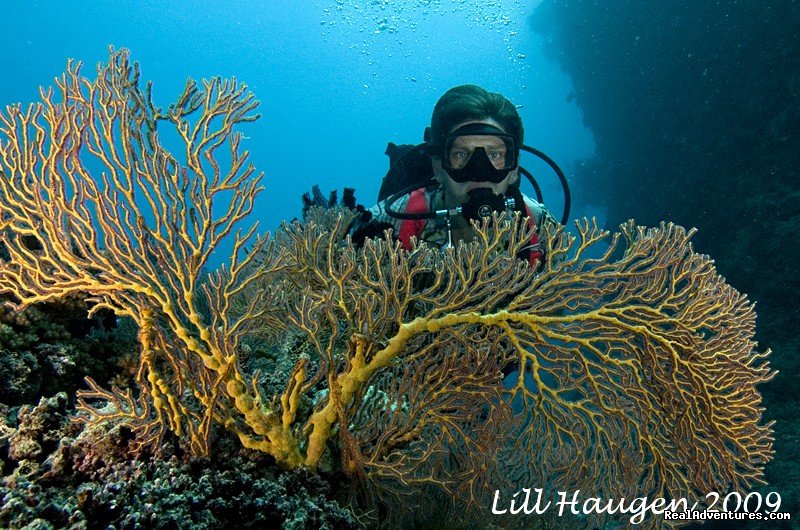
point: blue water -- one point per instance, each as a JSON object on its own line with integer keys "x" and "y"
{"x": 336, "y": 80}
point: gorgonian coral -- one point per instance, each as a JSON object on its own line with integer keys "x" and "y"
{"x": 636, "y": 369}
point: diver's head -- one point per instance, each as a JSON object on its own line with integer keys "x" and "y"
{"x": 471, "y": 103}
{"x": 474, "y": 142}
{"x": 477, "y": 155}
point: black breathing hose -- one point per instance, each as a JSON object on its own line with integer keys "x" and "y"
{"x": 564, "y": 184}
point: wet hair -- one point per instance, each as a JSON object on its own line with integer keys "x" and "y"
{"x": 471, "y": 102}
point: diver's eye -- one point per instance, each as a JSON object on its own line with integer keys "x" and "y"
{"x": 458, "y": 158}
{"x": 498, "y": 158}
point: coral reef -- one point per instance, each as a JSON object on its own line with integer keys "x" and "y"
{"x": 636, "y": 371}
{"x": 62, "y": 476}
{"x": 49, "y": 348}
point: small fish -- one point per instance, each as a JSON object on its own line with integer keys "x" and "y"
{"x": 414, "y": 79}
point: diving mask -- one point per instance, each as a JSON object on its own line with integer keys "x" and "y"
{"x": 479, "y": 152}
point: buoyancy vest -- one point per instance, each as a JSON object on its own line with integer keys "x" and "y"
{"x": 417, "y": 203}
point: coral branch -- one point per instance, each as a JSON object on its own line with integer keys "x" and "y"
{"x": 116, "y": 215}
{"x": 635, "y": 375}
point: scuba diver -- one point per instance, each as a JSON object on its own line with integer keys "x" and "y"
{"x": 467, "y": 168}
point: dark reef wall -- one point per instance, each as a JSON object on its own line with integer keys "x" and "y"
{"x": 695, "y": 110}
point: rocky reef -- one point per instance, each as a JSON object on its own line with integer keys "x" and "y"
{"x": 694, "y": 107}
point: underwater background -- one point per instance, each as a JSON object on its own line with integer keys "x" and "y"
{"x": 336, "y": 80}
{"x": 678, "y": 111}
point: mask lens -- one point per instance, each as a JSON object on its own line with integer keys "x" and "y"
{"x": 499, "y": 149}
